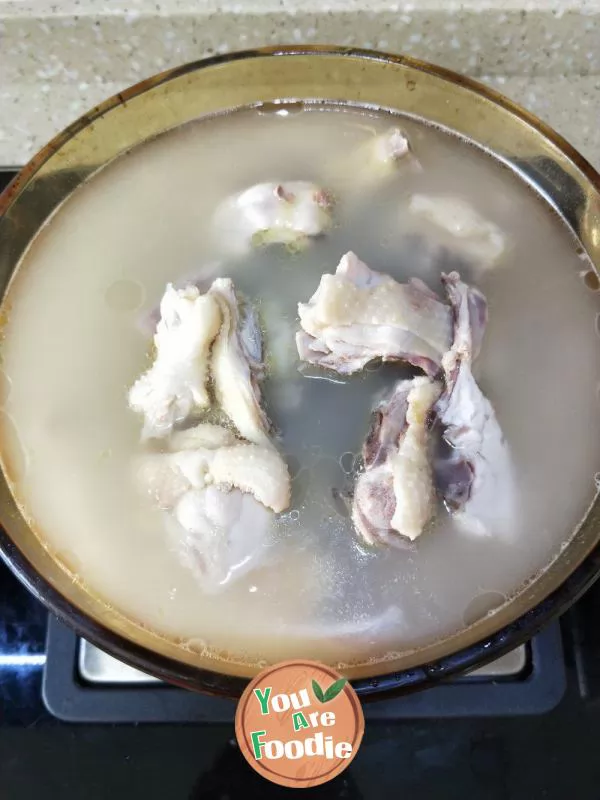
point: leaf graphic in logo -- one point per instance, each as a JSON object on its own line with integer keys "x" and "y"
{"x": 334, "y": 689}
{"x": 331, "y": 693}
{"x": 318, "y": 691}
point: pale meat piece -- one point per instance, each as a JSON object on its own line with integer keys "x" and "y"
{"x": 218, "y": 495}
{"x": 374, "y": 162}
{"x": 175, "y": 386}
{"x": 237, "y": 366}
{"x": 220, "y": 535}
{"x": 394, "y": 498}
{"x": 202, "y": 279}
{"x": 475, "y": 475}
{"x": 466, "y": 229}
{"x": 388, "y": 148}
{"x": 205, "y": 435}
{"x": 358, "y": 315}
{"x": 207, "y": 458}
{"x": 288, "y": 213}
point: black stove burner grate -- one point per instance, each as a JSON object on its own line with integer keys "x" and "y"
{"x": 71, "y": 699}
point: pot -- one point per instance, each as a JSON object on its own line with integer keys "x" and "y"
{"x": 366, "y": 78}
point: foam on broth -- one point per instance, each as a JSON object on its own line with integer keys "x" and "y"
{"x": 72, "y": 346}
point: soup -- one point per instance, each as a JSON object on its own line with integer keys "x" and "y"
{"x": 76, "y": 338}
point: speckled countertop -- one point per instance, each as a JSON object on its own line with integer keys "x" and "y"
{"x": 60, "y": 57}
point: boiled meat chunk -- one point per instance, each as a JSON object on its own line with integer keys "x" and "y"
{"x": 274, "y": 213}
{"x": 219, "y": 534}
{"x": 175, "y": 386}
{"x": 465, "y": 228}
{"x": 206, "y": 435}
{"x": 218, "y": 495}
{"x": 475, "y": 475}
{"x": 258, "y": 470}
{"x": 218, "y": 492}
{"x": 205, "y": 460}
{"x": 358, "y": 315}
{"x": 390, "y": 147}
{"x": 373, "y": 163}
{"x": 394, "y": 498}
{"x": 237, "y": 367}
{"x": 201, "y": 279}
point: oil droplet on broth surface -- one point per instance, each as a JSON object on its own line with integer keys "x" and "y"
{"x": 591, "y": 280}
{"x": 124, "y": 295}
{"x": 347, "y": 461}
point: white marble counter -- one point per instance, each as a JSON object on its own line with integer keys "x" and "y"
{"x": 60, "y": 57}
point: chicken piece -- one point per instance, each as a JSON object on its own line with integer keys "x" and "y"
{"x": 288, "y": 213}
{"x": 219, "y": 495}
{"x": 394, "y": 498}
{"x": 380, "y": 157}
{"x": 149, "y": 318}
{"x": 175, "y": 386}
{"x": 219, "y": 534}
{"x": 252, "y": 468}
{"x": 475, "y": 476}
{"x": 205, "y": 459}
{"x": 237, "y": 367}
{"x": 358, "y": 315}
{"x": 466, "y": 228}
{"x": 389, "y": 147}
{"x": 373, "y": 163}
{"x": 206, "y": 435}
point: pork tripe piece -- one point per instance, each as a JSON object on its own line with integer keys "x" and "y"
{"x": 465, "y": 228}
{"x": 237, "y": 366}
{"x": 288, "y": 213}
{"x": 219, "y": 534}
{"x": 394, "y": 498}
{"x": 207, "y": 457}
{"x": 358, "y": 315}
{"x": 175, "y": 385}
{"x": 475, "y": 476}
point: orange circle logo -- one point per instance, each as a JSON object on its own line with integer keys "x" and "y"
{"x": 299, "y": 723}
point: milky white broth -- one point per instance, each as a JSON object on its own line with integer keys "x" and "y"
{"x": 73, "y": 345}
